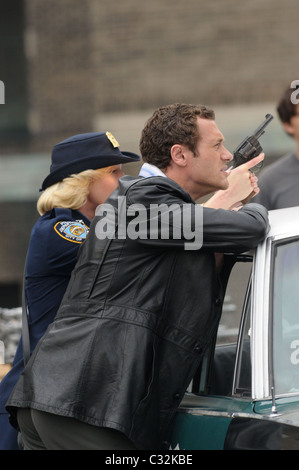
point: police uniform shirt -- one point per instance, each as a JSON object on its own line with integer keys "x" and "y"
{"x": 52, "y": 255}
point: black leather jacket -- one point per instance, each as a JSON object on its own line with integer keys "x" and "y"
{"x": 135, "y": 320}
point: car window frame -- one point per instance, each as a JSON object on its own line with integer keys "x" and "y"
{"x": 246, "y": 315}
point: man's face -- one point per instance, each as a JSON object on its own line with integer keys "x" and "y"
{"x": 208, "y": 169}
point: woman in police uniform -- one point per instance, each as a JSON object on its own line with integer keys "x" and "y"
{"x": 85, "y": 170}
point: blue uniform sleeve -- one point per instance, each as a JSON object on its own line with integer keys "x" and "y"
{"x": 54, "y": 244}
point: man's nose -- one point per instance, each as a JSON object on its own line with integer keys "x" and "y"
{"x": 226, "y": 155}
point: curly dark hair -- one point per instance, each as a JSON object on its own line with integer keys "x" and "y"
{"x": 169, "y": 125}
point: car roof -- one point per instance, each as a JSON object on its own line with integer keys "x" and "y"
{"x": 284, "y": 221}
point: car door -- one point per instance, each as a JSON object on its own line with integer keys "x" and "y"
{"x": 246, "y": 393}
{"x": 222, "y": 387}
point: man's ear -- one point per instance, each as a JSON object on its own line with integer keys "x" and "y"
{"x": 178, "y": 155}
{"x": 288, "y": 128}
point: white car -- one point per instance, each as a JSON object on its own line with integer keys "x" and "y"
{"x": 246, "y": 393}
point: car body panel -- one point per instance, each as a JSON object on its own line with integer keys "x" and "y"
{"x": 204, "y": 426}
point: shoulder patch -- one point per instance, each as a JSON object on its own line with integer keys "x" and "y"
{"x": 73, "y": 231}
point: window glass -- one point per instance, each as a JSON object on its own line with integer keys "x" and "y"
{"x": 285, "y": 317}
{"x": 223, "y": 364}
{"x": 243, "y": 370}
{"x": 233, "y": 302}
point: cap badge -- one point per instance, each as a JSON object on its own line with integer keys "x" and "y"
{"x": 112, "y": 139}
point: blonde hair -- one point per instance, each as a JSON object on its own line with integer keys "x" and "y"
{"x": 72, "y": 192}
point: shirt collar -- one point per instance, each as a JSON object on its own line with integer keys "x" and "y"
{"x": 150, "y": 170}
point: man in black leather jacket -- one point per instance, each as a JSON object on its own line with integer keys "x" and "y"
{"x": 144, "y": 299}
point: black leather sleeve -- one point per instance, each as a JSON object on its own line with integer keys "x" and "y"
{"x": 213, "y": 229}
{"x": 234, "y": 231}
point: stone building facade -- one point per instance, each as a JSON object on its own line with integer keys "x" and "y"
{"x": 73, "y": 66}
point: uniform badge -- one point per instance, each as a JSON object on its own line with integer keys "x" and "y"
{"x": 75, "y": 231}
{"x": 112, "y": 139}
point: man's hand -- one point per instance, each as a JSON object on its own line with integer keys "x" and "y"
{"x": 248, "y": 191}
{"x": 243, "y": 186}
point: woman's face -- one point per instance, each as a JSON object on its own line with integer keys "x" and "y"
{"x": 100, "y": 189}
